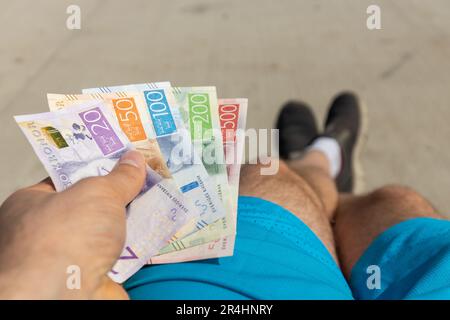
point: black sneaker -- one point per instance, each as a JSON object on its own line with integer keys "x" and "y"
{"x": 298, "y": 128}
{"x": 343, "y": 123}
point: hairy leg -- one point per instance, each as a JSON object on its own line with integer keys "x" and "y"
{"x": 360, "y": 219}
{"x": 314, "y": 169}
{"x": 304, "y": 188}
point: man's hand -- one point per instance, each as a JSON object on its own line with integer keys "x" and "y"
{"x": 43, "y": 232}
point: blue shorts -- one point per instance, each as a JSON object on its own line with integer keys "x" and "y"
{"x": 278, "y": 257}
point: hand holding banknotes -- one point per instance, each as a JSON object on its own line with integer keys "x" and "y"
{"x": 186, "y": 207}
{"x": 43, "y": 232}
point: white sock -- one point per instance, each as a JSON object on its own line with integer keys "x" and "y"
{"x": 331, "y": 149}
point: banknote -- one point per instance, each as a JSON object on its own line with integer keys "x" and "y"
{"x": 219, "y": 248}
{"x": 233, "y": 117}
{"x": 85, "y": 141}
{"x": 199, "y": 111}
{"x": 169, "y": 131}
{"x": 130, "y": 114}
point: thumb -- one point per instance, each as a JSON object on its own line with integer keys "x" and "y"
{"x": 128, "y": 176}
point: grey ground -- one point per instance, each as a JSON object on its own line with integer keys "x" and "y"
{"x": 268, "y": 51}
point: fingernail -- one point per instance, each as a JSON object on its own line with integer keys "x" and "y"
{"x": 132, "y": 158}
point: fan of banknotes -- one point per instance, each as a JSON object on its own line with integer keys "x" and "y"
{"x": 192, "y": 142}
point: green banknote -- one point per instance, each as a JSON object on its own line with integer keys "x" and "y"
{"x": 233, "y": 116}
{"x": 200, "y": 113}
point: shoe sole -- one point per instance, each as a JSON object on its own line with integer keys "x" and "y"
{"x": 359, "y": 174}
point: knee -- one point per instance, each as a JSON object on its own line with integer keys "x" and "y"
{"x": 400, "y": 195}
{"x": 255, "y": 170}
{"x": 394, "y": 192}
{"x": 252, "y": 181}
{"x": 284, "y": 187}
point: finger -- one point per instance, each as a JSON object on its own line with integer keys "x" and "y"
{"x": 128, "y": 177}
{"x": 45, "y": 185}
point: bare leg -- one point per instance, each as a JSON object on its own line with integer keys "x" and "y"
{"x": 304, "y": 188}
{"x": 360, "y": 219}
{"x": 314, "y": 168}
